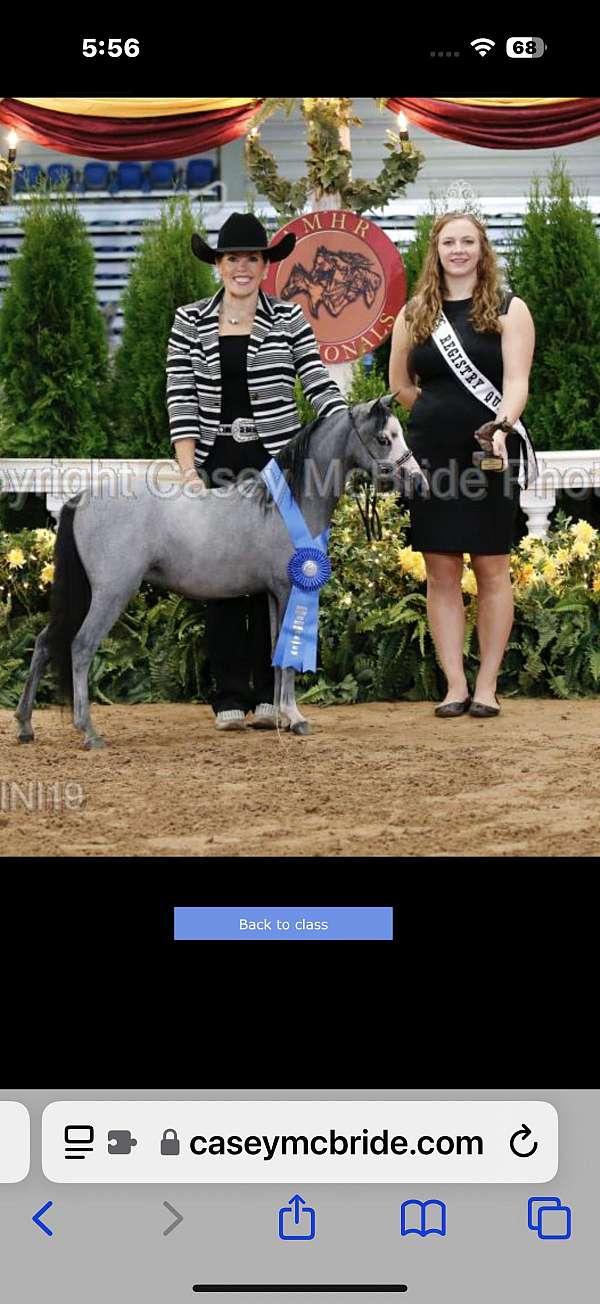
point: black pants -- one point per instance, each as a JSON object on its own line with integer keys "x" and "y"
{"x": 238, "y": 630}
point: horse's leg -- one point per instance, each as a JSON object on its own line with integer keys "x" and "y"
{"x": 39, "y": 661}
{"x": 298, "y": 723}
{"x": 285, "y": 695}
{"x": 105, "y": 609}
{"x": 276, "y": 669}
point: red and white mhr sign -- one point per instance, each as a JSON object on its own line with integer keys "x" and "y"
{"x": 348, "y": 278}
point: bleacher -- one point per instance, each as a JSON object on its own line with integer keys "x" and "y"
{"x": 115, "y": 220}
{"x": 97, "y": 180}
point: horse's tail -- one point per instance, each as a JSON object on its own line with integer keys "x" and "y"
{"x": 70, "y": 601}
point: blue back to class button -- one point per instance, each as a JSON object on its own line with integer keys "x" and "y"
{"x": 284, "y": 923}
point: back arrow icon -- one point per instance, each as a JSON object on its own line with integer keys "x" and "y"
{"x": 525, "y": 1132}
{"x": 37, "y": 1218}
{"x": 178, "y": 1218}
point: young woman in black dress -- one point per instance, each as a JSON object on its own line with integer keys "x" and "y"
{"x": 468, "y": 510}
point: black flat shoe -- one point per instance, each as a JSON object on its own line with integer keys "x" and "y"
{"x": 480, "y": 710}
{"x": 451, "y": 709}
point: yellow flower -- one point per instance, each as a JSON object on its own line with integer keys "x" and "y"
{"x": 346, "y": 600}
{"x": 468, "y": 582}
{"x": 405, "y": 557}
{"x": 47, "y": 574}
{"x": 550, "y": 571}
{"x": 580, "y": 548}
{"x": 15, "y": 558}
{"x": 45, "y": 539}
{"x": 412, "y": 563}
{"x": 538, "y": 555}
{"x": 584, "y": 531}
{"x": 562, "y": 556}
{"x": 525, "y": 575}
{"x": 530, "y": 541}
{"x": 596, "y": 584}
{"x": 418, "y": 570}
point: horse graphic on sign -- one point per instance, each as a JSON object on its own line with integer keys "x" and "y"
{"x": 336, "y": 279}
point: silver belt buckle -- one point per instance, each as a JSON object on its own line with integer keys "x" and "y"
{"x": 237, "y": 430}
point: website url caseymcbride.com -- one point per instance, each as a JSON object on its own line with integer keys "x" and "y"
{"x": 336, "y": 1143}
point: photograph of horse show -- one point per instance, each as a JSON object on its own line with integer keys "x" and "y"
{"x": 299, "y": 477}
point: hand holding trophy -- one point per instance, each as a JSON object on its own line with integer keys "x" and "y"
{"x": 487, "y": 459}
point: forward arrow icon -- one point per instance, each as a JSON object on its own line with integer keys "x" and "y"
{"x": 178, "y": 1218}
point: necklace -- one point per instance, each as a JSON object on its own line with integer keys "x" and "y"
{"x": 235, "y": 321}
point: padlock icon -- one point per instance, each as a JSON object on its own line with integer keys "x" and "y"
{"x": 170, "y": 1143}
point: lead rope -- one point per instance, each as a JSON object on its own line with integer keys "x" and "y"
{"x": 369, "y": 513}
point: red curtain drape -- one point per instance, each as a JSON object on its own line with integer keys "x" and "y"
{"x": 499, "y": 126}
{"x": 126, "y": 138}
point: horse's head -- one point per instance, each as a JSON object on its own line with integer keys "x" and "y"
{"x": 381, "y": 446}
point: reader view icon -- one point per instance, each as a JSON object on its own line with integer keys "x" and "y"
{"x": 423, "y": 1218}
{"x": 297, "y": 1221}
{"x": 549, "y": 1218}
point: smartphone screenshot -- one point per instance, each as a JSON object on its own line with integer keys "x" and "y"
{"x": 299, "y": 586}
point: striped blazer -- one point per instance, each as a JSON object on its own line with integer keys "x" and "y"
{"x": 281, "y": 347}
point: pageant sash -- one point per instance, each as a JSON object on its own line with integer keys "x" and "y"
{"x": 308, "y": 569}
{"x": 454, "y": 353}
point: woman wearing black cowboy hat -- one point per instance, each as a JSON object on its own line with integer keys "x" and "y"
{"x": 231, "y": 366}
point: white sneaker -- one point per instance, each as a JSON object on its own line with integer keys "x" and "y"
{"x": 231, "y": 720}
{"x": 265, "y": 716}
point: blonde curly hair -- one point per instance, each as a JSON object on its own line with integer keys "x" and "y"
{"x": 425, "y": 306}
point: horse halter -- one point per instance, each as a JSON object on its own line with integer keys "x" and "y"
{"x": 370, "y": 516}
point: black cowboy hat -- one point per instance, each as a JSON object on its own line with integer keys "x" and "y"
{"x": 243, "y": 233}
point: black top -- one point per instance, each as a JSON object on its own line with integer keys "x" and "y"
{"x": 235, "y": 398}
{"x": 443, "y": 418}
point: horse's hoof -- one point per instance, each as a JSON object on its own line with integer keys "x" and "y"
{"x": 95, "y": 741}
{"x": 25, "y": 736}
{"x": 301, "y": 727}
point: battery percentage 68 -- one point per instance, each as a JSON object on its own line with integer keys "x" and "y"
{"x": 525, "y": 47}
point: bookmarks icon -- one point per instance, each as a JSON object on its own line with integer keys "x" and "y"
{"x": 423, "y": 1218}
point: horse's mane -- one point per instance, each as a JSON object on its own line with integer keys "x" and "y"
{"x": 291, "y": 462}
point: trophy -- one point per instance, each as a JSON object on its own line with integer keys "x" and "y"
{"x": 485, "y": 459}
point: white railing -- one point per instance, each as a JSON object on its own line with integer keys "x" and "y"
{"x": 573, "y": 471}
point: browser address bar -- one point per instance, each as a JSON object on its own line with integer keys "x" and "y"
{"x": 317, "y": 1141}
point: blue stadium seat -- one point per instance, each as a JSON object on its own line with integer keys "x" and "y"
{"x": 61, "y": 171}
{"x": 28, "y": 177}
{"x": 96, "y": 176}
{"x": 130, "y": 176}
{"x": 199, "y": 172}
{"x": 162, "y": 175}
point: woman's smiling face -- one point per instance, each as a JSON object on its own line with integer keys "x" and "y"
{"x": 242, "y": 273}
{"x": 459, "y": 247}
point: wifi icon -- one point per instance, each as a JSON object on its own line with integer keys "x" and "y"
{"x": 483, "y": 45}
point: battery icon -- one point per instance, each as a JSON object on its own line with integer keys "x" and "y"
{"x": 525, "y": 47}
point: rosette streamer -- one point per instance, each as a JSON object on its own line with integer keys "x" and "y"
{"x": 309, "y": 569}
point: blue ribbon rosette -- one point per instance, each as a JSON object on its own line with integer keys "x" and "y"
{"x": 309, "y": 569}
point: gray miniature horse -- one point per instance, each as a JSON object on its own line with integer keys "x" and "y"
{"x": 204, "y": 544}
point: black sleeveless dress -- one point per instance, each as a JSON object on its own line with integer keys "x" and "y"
{"x": 468, "y": 510}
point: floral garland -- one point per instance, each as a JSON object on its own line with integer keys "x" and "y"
{"x": 328, "y": 170}
{"x": 7, "y": 173}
